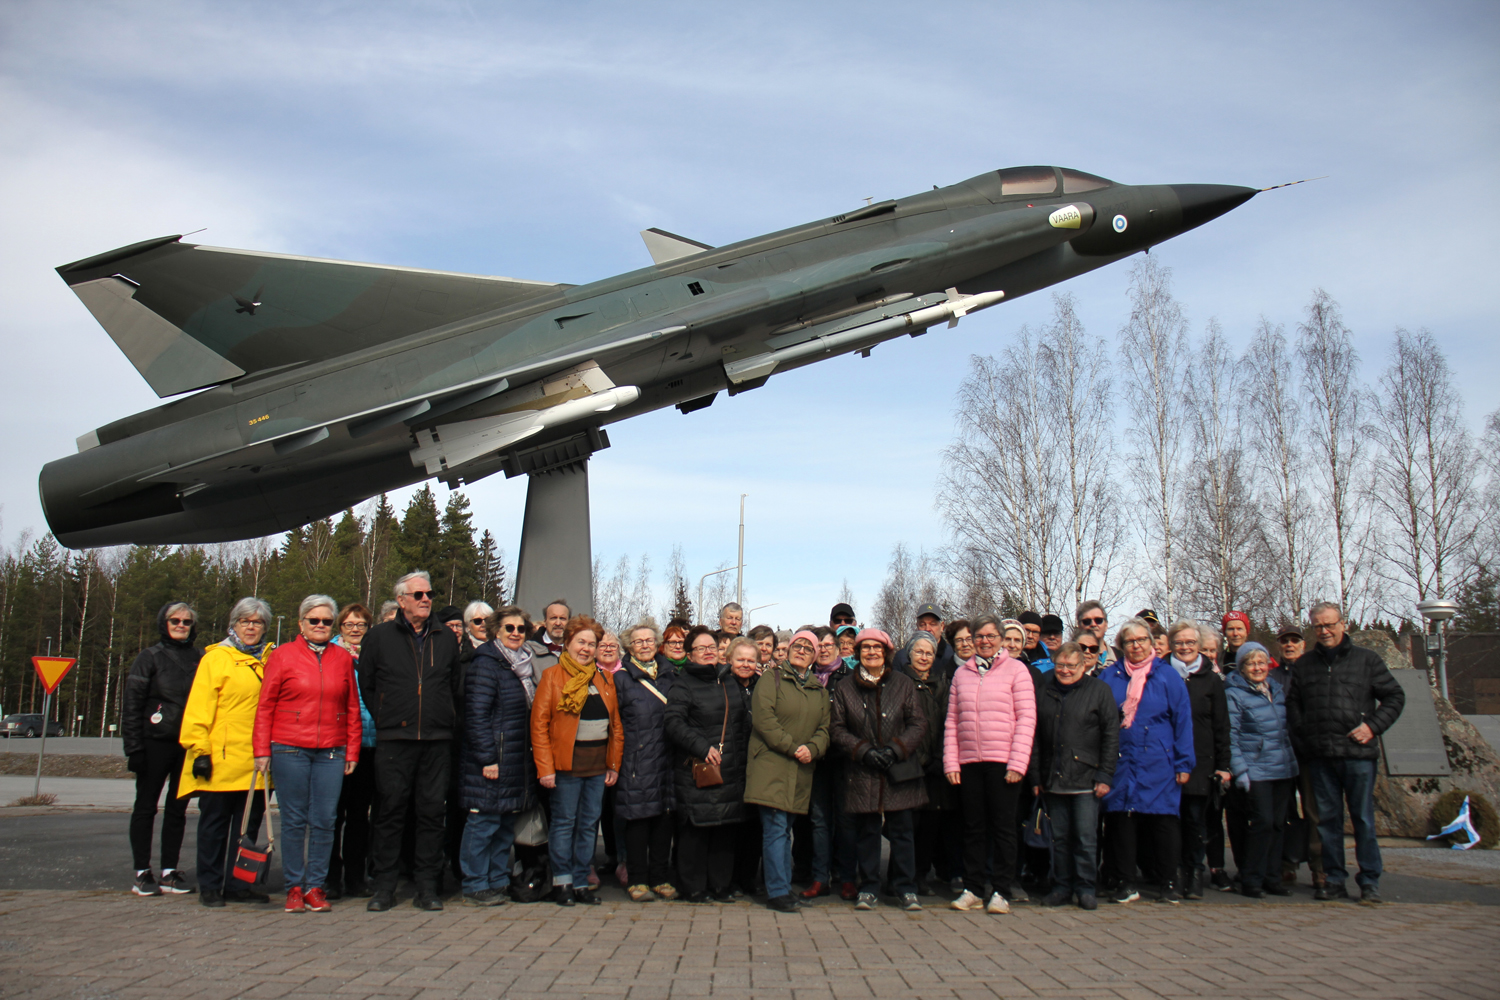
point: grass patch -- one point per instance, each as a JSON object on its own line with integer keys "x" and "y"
{"x": 44, "y": 799}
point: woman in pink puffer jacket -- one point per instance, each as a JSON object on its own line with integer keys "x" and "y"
{"x": 986, "y": 749}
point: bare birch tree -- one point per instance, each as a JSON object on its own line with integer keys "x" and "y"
{"x": 1424, "y": 471}
{"x": 1274, "y": 416}
{"x": 1336, "y": 406}
{"x": 909, "y": 584}
{"x": 1153, "y": 348}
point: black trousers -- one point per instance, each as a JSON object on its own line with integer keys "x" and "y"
{"x": 989, "y": 825}
{"x": 1237, "y": 821}
{"x": 219, "y": 834}
{"x": 454, "y": 815}
{"x": 1134, "y": 837}
{"x": 705, "y": 858}
{"x": 610, "y": 828}
{"x": 411, "y": 772}
{"x": 895, "y": 827}
{"x": 747, "y": 851}
{"x": 1213, "y": 825}
{"x": 163, "y": 767}
{"x": 1266, "y": 804}
{"x": 648, "y": 850}
{"x": 351, "y": 829}
{"x": 1192, "y": 821}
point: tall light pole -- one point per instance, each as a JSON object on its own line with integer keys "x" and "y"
{"x": 1438, "y": 611}
{"x": 739, "y": 576}
{"x": 705, "y": 576}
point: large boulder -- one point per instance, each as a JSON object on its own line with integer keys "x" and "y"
{"x": 1403, "y": 806}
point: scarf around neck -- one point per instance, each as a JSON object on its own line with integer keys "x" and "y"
{"x": 647, "y": 667}
{"x": 521, "y": 666}
{"x": 1186, "y": 670}
{"x": 576, "y": 688}
{"x": 258, "y": 650}
{"x": 1137, "y": 674}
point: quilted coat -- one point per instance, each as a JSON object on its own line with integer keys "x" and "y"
{"x": 1333, "y": 691}
{"x": 1260, "y": 744}
{"x": 886, "y": 713}
{"x": 695, "y": 721}
{"x": 1210, "y": 728}
{"x": 1156, "y": 747}
{"x": 497, "y": 730}
{"x": 645, "y": 786}
{"x": 990, "y": 718}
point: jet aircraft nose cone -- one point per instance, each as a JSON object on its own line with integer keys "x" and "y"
{"x": 1204, "y": 202}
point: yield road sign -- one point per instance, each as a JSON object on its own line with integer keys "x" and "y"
{"x": 52, "y": 669}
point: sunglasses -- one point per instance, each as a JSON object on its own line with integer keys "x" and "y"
{"x": 1088, "y": 649}
{"x": 843, "y": 621}
{"x": 476, "y": 621}
{"x": 513, "y": 627}
{"x": 420, "y": 595}
{"x": 179, "y": 621}
{"x": 318, "y": 621}
{"x": 1091, "y": 621}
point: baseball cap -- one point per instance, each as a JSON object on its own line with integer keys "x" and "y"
{"x": 929, "y": 609}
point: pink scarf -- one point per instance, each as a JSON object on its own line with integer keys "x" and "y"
{"x": 1138, "y": 672}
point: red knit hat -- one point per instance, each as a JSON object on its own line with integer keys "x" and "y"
{"x": 1232, "y": 616}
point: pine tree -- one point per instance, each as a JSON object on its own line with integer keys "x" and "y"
{"x": 490, "y": 572}
{"x": 682, "y": 605}
{"x": 419, "y": 543}
{"x": 460, "y": 556}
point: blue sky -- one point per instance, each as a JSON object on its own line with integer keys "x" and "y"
{"x": 535, "y": 140}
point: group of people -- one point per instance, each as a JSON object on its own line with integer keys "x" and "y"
{"x": 987, "y": 754}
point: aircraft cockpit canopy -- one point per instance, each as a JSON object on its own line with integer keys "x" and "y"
{"x": 1033, "y": 181}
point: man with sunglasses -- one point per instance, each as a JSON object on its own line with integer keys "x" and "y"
{"x": 842, "y": 614}
{"x": 1092, "y": 650}
{"x": 409, "y": 676}
{"x": 1090, "y": 615}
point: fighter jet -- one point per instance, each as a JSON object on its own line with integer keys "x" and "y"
{"x": 315, "y": 384}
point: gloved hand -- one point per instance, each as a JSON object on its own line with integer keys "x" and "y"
{"x": 880, "y": 758}
{"x": 136, "y": 762}
{"x": 1243, "y": 782}
{"x": 203, "y": 767}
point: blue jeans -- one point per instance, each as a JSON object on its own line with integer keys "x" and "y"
{"x": 1075, "y": 841}
{"x": 833, "y": 829}
{"x": 308, "y": 782}
{"x": 776, "y": 850}
{"x": 485, "y": 854}
{"x": 571, "y": 836}
{"x": 1336, "y": 781}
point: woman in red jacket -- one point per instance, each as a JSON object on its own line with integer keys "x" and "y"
{"x": 307, "y": 736}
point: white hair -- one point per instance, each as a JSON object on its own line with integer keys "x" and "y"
{"x": 399, "y": 590}
{"x": 317, "y": 601}
{"x": 475, "y": 609}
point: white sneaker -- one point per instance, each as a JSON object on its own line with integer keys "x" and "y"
{"x": 997, "y": 904}
{"x": 967, "y": 901}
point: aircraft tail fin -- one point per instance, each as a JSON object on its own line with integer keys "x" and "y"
{"x": 189, "y": 316}
{"x": 665, "y": 246}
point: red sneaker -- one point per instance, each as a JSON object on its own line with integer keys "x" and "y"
{"x": 848, "y": 891}
{"x": 317, "y": 901}
{"x": 815, "y": 890}
{"x": 294, "y": 902}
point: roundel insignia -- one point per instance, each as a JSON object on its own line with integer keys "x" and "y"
{"x": 1120, "y": 223}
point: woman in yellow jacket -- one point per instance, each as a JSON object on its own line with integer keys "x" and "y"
{"x": 219, "y": 760}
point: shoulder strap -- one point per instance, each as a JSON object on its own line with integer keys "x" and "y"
{"x": 724, "y": 731}
{"x": 645, "y": 683}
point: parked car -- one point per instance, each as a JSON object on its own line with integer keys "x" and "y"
{"x": 28, "y": 725}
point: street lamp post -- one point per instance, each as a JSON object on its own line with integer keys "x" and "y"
{"x": 705, "y": 576}
{"x": 1438, "y": 611}
{"x": 739, "y": 576}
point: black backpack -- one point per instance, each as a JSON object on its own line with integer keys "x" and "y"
{"x": 533, "y": 884}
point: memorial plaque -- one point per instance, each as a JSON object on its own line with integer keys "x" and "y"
{"x": 1414, "y": 745}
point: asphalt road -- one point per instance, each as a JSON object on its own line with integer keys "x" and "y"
{"x": 90, "y": 850}
{"x": 65, "y": 744}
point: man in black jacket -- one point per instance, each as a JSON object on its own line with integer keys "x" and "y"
{"x": 409, "y": 676}
{"x": 156, "y": 692}
{"x": 1342, "y": 697}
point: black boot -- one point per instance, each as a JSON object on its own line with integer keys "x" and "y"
{"x": 1192, "y": 887}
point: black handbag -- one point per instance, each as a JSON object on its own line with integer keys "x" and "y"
{"x": 1039, "y": 827}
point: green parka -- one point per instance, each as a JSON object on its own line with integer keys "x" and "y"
{"x": 785, "y": 714}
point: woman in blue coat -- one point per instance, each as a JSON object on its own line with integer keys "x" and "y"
{"x": 497, "y": 773}
{"x": 644, "y": 794}
{"x": 1263, "y": 765}
{"x": 1156, "y": 759}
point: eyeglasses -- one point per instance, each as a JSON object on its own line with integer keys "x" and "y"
{"x": 251, "y": 621}
{"x": 319, "y": 621}
{"x": 1091, "y": 621}
{"x": 672, "y": 642}
{"x": 356, "y": 626}
{"x": 1138, "y": 640}
{"x": 513, "y": 627}
{"x": 642, "y": 642}
{"x": 1326, "y": 628}
{"x": 699, "y": 647}
{"x": 420, "y": 595}
{"x": 179, "y": 621}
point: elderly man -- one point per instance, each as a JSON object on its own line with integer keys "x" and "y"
{"x": 409, "y": 675}
{"x": 1302, "y": 838}
{"x": 1092, "y": 616}
{"x": 929, "y": 620}
{"x": 1236, "y": 628}
{"x": 554, "y": 619}
{"x": 1343, "y": 696}
{"x": 731, "y": 619}
{"x": 1052, "y": 635}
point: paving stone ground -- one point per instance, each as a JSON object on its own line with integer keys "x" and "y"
{"x": 97, "y": 945}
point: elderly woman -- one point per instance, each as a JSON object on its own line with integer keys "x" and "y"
{"x": 789, "y": 732}
{"x": 351, "y": 828}
{"x": 156, "y": 692}
{"x": 218, "y": 759}
{"x": 577, "y": 742}
{"x": 607, "y": 656}
{"x": 644, "y": 796}
{"x": 674, "y": 645}
{"x": 878, "y": 724}
{"x": 744, "y": 667}
{"x": 496, "y": 767}
{"x": 960, "y": 636}
{"x": 1263, "y": 764}
{"x": 1210, "y": 748}
{"x": 764, "y": 638}
{"x": 986, "y": 750}
{"x": 936, "y": 839}
{"x": 476, "y": 615}
{"x": 707, "y": 723}
{"x": 832, "y": 828}
{"x": 1156, "y": 760}
{"x": 307, "y": 737}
